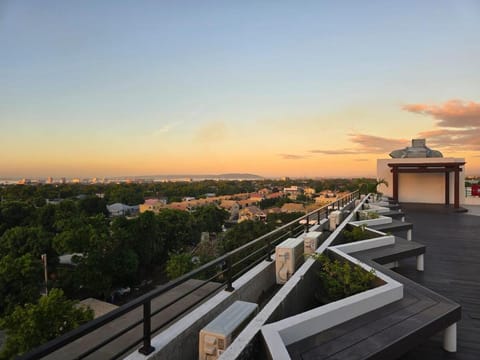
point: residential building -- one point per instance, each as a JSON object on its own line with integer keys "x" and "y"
{"x": 256, "y": 197}
{"x": 154, "y": 205}
{"x": 309, "y": 191}
{"x": 252, "y": 213}
{"x": 292, "y": 207}
{"x": 264, "y": 191}
{"x": 119, "y": 209}
{"x": 293, "y": 191}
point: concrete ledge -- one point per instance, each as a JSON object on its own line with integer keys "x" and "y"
{"x": 381, "y": 220}
{"x": 376, "y": 208}
{"x": 366, "y": 244}
{"x": 282, "y": 333}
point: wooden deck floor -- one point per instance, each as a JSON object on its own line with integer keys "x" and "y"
{"x": 452, "y": 268}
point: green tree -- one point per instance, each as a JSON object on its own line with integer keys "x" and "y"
{"x": 177, "y": 229}
{"x": 15, "y": 213}
{"x": 94, "y": 268}
{"x": 129, "y": 194}
{"x": 210, "y": 218}
{"x": 275, "y": 202}
{"x": 107, "y": 260}
{"x": 37, "y": 323}
{"x": 93, "y": 205}
{"x": 45, "y": 217}
{"x": 243, "y": 233}
{"x": 179, "y": 264}
{"x": 18, "y": 241}
{"x": 66, "y": 213}
{"x": 75, "y": 234}
{"x": 20, "y": 281}
{"x": 276, "y": 219}
{"x": 149, "y": 240}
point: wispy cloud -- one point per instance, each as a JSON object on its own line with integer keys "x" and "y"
{"x": 457, "y": 127}
{"x": 366, "y": 144}
{"x": 360, "y": 160}
{"x": 453, "y": 113}
{"x": 292, "y": 156}
{"x": 377, "y": 144}
{"x": 335, "y": 152}
{"x": 166, "y": 128}
{"x": 458, "y": 124}
{"x": 212, "y": 131}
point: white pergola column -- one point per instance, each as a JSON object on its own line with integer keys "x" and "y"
{"x": 450, "y": 338}
{"x": 420, "y": 262}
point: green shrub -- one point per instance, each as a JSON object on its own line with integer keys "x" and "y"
{"x": 356, "y": 234}
{"x": 367, "y": 215}
{"x": 340, "y": 279}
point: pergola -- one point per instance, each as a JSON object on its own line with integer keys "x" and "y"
{"x": 441, "y": 167}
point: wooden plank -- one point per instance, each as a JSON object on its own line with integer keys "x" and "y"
{"x": 400, "y": 250}
{"x": 390, "y": 332}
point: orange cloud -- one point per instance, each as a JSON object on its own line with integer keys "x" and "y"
{"x": 335, "y": 152}
{"x": 292, "y": 156}
{"x": 453, "y": 113}
{"x": 366, "y": 144}
{"x": 467, "y": 139}
{"x": 458, "y": 124}
{"x": 377, "y": 144}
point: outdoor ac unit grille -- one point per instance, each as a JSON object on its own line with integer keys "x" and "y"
{"x": 220, "y": 332}
{"x": 288, "y": 256}
{"x": 312, "y": 242}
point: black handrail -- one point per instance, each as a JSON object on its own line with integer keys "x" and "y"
{"x": 224, "y": 261}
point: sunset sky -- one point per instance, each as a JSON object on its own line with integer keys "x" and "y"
{"x": 274, "y": 88}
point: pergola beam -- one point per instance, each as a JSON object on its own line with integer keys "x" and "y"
{"x": 423, "y": 170}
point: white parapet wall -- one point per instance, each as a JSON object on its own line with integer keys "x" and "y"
{"x": 286, "y": 301}
{"x": 381, "y": 220}
{"x": 377, "y": 207}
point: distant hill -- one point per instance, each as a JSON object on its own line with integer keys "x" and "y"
{"x": 230, "y": 176}
{"x": 235, "y": 176}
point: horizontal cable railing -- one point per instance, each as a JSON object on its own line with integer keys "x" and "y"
{"x": 218, "y": 273}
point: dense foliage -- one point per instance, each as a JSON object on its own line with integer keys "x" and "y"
{"x": 36, "y": 323}
{"x": 340, "y": 279}
{"x": 356, "y": 234}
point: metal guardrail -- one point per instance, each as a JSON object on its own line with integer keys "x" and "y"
{"x": 221, "y": 272}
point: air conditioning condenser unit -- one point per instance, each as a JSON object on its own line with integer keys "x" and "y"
{"x": 221, "y": 331}
{"x": 288, "y": 257}
{"x": 312, "y": 241}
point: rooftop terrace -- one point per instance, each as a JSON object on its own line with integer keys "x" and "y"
{"x": 452, "y": 265}
{"x": 452, "y": 269}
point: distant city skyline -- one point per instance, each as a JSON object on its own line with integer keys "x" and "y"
{"x": 300, "y": 89}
